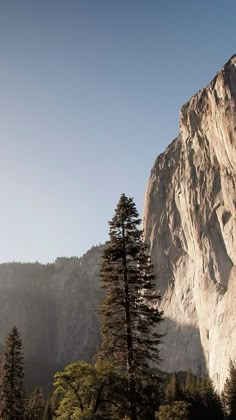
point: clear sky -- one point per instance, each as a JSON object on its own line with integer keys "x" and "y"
{"x": 90, "y": 92}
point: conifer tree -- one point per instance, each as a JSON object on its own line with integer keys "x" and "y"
{"x": 48, "y": 412}
{"x": 209, "y": 398}
{"x": 12, "y": 390}
{"x": 36, "y": 404}
{"x": 230, "y": 391}
{"x": 190, "y": 387}
{"x": 172, "y": 391}
{"x": 129, "y": 312}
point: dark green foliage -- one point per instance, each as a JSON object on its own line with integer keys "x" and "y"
{"x": 204, "y": 402}
{"x": 176, "y": 410}
{"x": 36, "y": 405}
{"x": 49, "y": 409}
{"x": 12, "y": 390}
{"x": 129, "y": 312}
{"x": 209, "y": 398}
{"x": 229, "y": 393}
{"x": 190, "y": 387}
{"x": 172, "y": 391}
{"x": 199, "y": 393}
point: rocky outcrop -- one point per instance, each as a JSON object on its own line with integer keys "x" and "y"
{"x": 189, "y": 222}
{"x": 55, "y": 307}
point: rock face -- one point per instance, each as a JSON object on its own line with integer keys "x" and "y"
{"x": 189, "y": 222}
{"x": 55, "y": 308}
{"x": 190, "y": 225}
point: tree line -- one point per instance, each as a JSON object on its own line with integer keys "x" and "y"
{"x": 124, "y": 380}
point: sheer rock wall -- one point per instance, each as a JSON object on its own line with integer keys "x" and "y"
{"x": 189, "y": 222}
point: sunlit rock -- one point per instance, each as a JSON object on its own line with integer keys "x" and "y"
{"x": 189, "y": 221}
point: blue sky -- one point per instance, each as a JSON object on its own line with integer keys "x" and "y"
{"x": 90, "y": 93}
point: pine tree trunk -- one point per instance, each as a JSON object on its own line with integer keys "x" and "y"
{"x": 130, "y": 358}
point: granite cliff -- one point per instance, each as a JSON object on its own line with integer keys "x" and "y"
{"x": 189, "y": 222}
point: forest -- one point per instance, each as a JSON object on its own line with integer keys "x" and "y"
{"x": 124, "y": 379}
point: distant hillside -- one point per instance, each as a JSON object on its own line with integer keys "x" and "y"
{"x": 55, "y": 308}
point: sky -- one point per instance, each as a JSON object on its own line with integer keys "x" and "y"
{"x": 90, "y": 94}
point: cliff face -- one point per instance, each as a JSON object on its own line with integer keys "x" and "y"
{"x": 189, "y": 222}
{"x": 55, "y": 308}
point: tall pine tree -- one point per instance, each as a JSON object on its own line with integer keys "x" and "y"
{"x": 36, "y": 406}
{"x": 12, "y": 390}
{"x": 48, "y": 412}
{"x": 172, "y": 391}
{"x": 129, "y": 312}
{"x": 230, "y": 391}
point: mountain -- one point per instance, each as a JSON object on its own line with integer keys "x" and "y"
{"x": 55, "y": 307}
{"x": 189, "y": 222}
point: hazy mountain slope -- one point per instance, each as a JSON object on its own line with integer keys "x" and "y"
{"x": 55, "y": 308}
